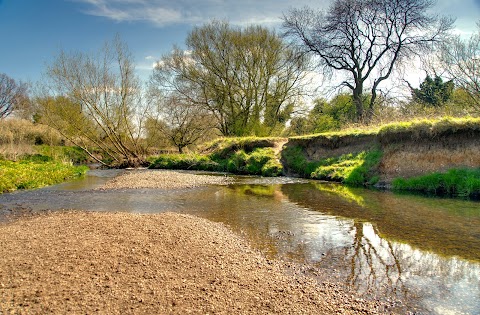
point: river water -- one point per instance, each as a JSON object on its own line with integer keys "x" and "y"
{"x": 421, "y": 255}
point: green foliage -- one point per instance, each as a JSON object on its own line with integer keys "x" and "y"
{"x": 355, "y": 169}
{"x": 185, "y": 162}
{"x": 259, "y": 161}
{"x": 434, "y": 91}
{"x": 248, "y": 78}
{"x": 296, "y": 162}
{"x": 34, "y": 172}
{"x": 76, "y": 155}
{"x": 455, "y": 182}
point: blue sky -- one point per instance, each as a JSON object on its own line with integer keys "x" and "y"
{"x": 33, "y": 31}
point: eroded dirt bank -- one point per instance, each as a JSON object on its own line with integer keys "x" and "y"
{"x": 120, "y": 263}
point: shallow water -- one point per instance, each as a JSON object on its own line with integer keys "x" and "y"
{"x": 423, "y": 252}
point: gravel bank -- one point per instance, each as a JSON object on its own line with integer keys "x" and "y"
{"x": 163, "y": 179}
{"x": 118, "y": 263}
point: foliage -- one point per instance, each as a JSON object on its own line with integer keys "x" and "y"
{"x": 95, "y": 100}
{"x": 180, "y": 123}
{"x": 355, "y": 169}
{"x": 455, "y": 182}
{"x": 295, "y": 161}
{"x": 427, "y": 129}
{"x": 255, "y": 161}
{"x": 13, "y": 95}
{"x": 365, "y": 40}
{"x": 433, "y": 92}
{"x": 325, "y": 116}
{"x": 19, "y": 131}
{"x": 75, "y": 155}
{"x": 34, "y": 172}
{"x": 248, "y": 79}
{"x": 185, "y": 162}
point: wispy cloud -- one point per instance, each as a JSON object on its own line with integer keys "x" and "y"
{"x": 167, "y": 12}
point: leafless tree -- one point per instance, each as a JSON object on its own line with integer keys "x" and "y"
{"x": 107, "y": 95}
{"x": 12, "y": 95}
{"x": 366, "y": 40}
{"x": 460, "y": 61}
{"x": 179, "y": 121}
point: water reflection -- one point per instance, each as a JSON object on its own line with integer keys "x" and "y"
{"x": 425, "y": 252}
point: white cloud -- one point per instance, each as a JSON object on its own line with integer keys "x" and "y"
{"x": 166, "y": 12}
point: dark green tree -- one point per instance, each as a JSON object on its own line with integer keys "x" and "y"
{"x": 434, "y": 91}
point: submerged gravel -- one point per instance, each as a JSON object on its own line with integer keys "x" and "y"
{"x": 119, "y": 263}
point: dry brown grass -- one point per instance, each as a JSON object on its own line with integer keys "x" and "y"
{"x": 18, "y": 136}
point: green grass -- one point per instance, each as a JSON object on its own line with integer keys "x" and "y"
{"x": 355, "y": 169}
{"x": 34, "y": 172}
{"x": 454, "y": 183}
{"x": 260, "y": 161}
{"x": 76, "y": 155}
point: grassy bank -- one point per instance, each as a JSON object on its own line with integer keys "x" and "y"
{"x": 252, "y": 156}
{"x": 34, "y": 172}
{"x": 356, "y": 157}
{"x": 356, "y": 169}
{"x": 454, "y": 183}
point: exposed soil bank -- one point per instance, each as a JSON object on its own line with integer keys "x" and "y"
{"x": 406, "y": 153}
{"x": 118, "y": 263}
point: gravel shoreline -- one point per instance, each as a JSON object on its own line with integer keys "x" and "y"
{"x": 79, "y": 262}
{"x": 121, "y": 263}
{"x": 162, "y": 179}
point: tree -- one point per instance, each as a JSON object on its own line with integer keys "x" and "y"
{"x": 433, "y": 92}
{"x": 248, "y": 79}
{"x": 366, "y": 40}
{"x": 460, "y": 60}
{"x": 12, "y": 95}
{"x": 181, "y": 123}
{"x": 104, "y": 102}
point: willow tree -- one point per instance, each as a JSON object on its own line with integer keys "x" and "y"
{"x": 247, "y": 78}
{"x": 366, "y": 40}
{"x": 100, "y": 102}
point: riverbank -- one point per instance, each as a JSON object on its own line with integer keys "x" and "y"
{"x": 439, "y": 157}
{"x": 88, "y": 262}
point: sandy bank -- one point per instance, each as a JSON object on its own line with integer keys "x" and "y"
{"x": 118, "y": 263}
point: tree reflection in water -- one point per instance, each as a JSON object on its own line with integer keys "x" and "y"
{"x": 388, "y": 253}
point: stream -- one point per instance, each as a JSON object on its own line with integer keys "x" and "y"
{"x": 420, "y": 255}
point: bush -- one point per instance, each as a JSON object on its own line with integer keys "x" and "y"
{"x": 260, "y": 161}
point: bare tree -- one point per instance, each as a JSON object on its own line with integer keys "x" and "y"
{"x": 12, "y": 95}
{"x": 366, "y": 40}
{"x": 109, "y": 98}
{"x": 460, "y": 61}
{"x": 180, "y": 122}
